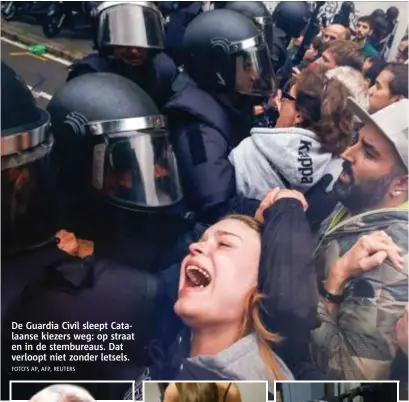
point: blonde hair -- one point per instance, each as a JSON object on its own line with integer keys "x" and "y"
{"x": 198, "y": 392}
{"x": 354, "y": 81}
{"x": 252, "y": 322}
{"x": 62, "y": 393}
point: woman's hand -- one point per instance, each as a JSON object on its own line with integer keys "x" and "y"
{"x": 275, "y": 101}
{"x": 275, "y": 195}
{"x": 368, "y": 252}
{"x": 296, "y": 72}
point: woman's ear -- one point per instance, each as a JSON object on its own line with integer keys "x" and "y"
{"x": 298, "y": 119}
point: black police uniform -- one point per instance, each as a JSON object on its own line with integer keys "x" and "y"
{"x": 204, "y": 123}
{"x": 156, "y": 75}
{"x": 135, "y": 173}
{"x": 40, "y": 281}
{"x": 179, "y": 14}
{"x": 290, "y": 19}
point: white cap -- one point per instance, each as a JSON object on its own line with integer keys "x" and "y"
{"x": 392, "y": 121}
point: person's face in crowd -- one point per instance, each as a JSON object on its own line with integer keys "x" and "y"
{"x": 402, "y": 54}
{"x": 327, "y": 60}
{"x": 368, "y": 179}
{"x": 402, "y": 332}
{"x": 363, "y": 30}
{"x": 289, "y": 116}
{"x": 334, "y": 32}
{"x": 218, "y": 274}
{"x": 380, "y": 94}
{"x": 133, "y": 56}
{"x": 246, "y": 74}
{"x": 310, "y": 54}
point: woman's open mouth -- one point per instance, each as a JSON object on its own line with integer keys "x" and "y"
{"x": 197, "y": 277}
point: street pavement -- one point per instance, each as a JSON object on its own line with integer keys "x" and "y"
{"x": 48, "y": 72}
{"x": 70, "y": 45}
{"x": 44, "y": 74}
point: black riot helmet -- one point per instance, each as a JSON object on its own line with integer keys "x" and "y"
{"x": 392, "y": 14}
{"x": 128, "y": 24}
{"x": 226, "y": 52}
{"x": 292, "y": 17}
{"x": 347, "y": 7}
{"x": 379, "y": 26}
{"x": 115, "y": 143}
{"x": 378, "y": 13}
{"x": 27, "y": 170}
{"x": 258, "y": 12}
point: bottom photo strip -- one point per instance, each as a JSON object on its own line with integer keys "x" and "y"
{"x": 299, "y": 391}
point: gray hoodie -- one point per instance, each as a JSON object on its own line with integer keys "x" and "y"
{"x": 242, "y": 362}
{"x": 281, "y": 157}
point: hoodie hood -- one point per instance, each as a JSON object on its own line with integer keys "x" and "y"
{"x": 281, "y": 157}
{"x": 242, "y": 361}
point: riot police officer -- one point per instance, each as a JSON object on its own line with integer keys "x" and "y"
{"x": 129, "y": 39}
{"x": 290, "y": 18}
{"x": 27, "y": 180}
{"x": 258, "y": 12}
{"x": 178, "y": 16}
{"x": 343, "y": 17}
{"x": 227, "y": 69}
{"x": 110, "y": 171}
{"x": 124, "y": 165}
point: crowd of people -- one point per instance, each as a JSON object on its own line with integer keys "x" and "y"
{"x": 249, "y": 223}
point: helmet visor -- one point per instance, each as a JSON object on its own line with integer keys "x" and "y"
{"x": 131, "y": 25}
{"x": 265, "y": 25}
{"x": 254, "y": 71}
{"x": 27, "y": 198}
{"x": 137, "y": 169}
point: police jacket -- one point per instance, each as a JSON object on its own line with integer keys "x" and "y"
{"x": 155, "y": 78}
{"x": 53, "y": 286}
{"x": 179, "y": 14}
{"x": 203, "y": 131}
{"x": 278, "y": 48}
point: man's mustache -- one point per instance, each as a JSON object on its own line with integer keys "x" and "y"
{"x": 347, "y": 168}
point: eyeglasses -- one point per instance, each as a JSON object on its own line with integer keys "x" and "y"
{"x": 286, "y": 95}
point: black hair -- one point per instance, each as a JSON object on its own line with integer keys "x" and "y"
{"x": 318, "y": 45}
{"x": 367, "y": 20}
{"x": 378, "y": 64}
{"x": 399, "y": 83}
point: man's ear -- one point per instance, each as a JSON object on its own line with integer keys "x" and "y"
{"x": 397, "y": 98}
{"x": 400, "y": 186}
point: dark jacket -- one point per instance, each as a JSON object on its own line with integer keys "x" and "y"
{"x": 178, "y": 14}
{"x": 155, "y": 78}
{"x": 203, "y": 132}
{"x": 51, "y": 286}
